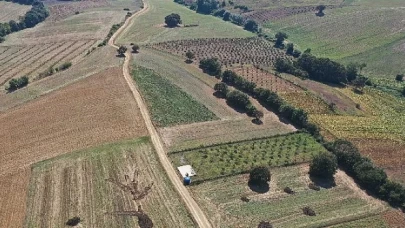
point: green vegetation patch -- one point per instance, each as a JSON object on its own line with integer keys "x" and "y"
{"x": 234, "y": 158}
{"x": 168, "y": 104}
{"x": 221, "y": 200}
{"x": 370, "y": 222}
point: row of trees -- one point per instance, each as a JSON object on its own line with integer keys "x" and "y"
{"x": 17, "y": 83}
{"x": 368, "y": 175}
{"x": 322, "y": 69}
{"x": 35, "y": 15}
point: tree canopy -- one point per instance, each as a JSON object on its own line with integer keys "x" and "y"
{"x": 259, "y": 175}
{"x": 252, "y": 26}
{"x": 324, "y": 165}
{"x": 172, "y": 20}
{"x": 211, "y": 66}
{"x": 206, "y": 6}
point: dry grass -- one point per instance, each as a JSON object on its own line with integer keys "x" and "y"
{"x": 76, "y": 185}
{"x": 96, "y": 110}
{"x": 13, "y": 192}
{"x": 11, "y": 11}
{"x": 215, "y": 132}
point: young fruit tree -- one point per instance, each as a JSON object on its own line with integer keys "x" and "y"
{"x": 320, "y": 9}
{"x": 190, "y": 56}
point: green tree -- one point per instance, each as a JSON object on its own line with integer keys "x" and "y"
{"x": 320, "y": 9}
{"x": 206, "y": 6}
{"x": 121, "y": 50}
{"x": 323, "y": 165}
{"x": 238, "y": 99}
{"x": 252, "y": 26}
{"x": 221, "y": 88}
{"x": 280, "y": 37}
{"x": 259, "y": 175}
{"x": 190, "y": 56}
{"x": 211, "y": 66}
{"x": 227, "y": 16}
{"x": 359, "y": 83}
{"x": 403, "y": 91}
{"x": 399, "y": 77}
{"x": 290, "y": 49}
{"x": 172, "y": 20}
{"x": 369, "y": 175}
{"x": 135, "y": 48}
{"x": 393, "y": 192}
{"x": 347, "y": 154}
{"x": 258, "y": 115}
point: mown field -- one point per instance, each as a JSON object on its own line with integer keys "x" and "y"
{"x": 221, "y": 199}
{"x": 150, "y": 27}
{"x": 229, "y": 159}
{"x": 11, "y": 11}
{"x": 76, "y": 185}
{"x": 168, "y": 104}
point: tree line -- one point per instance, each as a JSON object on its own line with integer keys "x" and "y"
{"x": 35, "y": 15}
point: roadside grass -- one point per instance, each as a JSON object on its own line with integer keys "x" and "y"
{"x": 75, "y": 185}
{"x": 234, "y": 158}
{"x": 221, "y": 200}
{"x": 343, "y": 32}
{"x": 149, "y": 27}
{"x": 168, "y": 104}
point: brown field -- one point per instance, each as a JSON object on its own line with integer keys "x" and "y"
{"x": 394, "y": 218}
{"x": 17, "y": 61}
{"x": 215, "y": 132}
{"x": 229, "y": 51}
{"x": 12, "y": 11}
{"x": 96, "y": 110}
{"x": 13, "y": 193}
{"x": 60, "y": 10}
{"x": 291, "y": 92}
{"x": 75, "y": 185}
{"x": 90, "y": 65}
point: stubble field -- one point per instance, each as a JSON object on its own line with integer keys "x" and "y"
{"x": 12, "y": 11}
{"x": 76, "y": 185}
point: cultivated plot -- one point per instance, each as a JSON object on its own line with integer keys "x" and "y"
{"x": 221, "y": 200}
{"x": 95, "y": 110}
{"x": 76, "y": 185}
{"x": 12, "y": 11}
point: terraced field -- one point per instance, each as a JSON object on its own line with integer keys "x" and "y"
{"x": 17, "y": 61}
{"x": 221, "y": 199}
{"x": 12, "y": 11}
{"x": 76, "y": 185}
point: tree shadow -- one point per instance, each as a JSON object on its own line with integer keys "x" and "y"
{"x": 261, "y": 189}
{"x": 323, "y": 182}
{"x": 219, "y": 95}
{"x": 320, "y": 14}
{"x": 166, "y": 26}
{"x": 357, "y": 91}
{"x": 188, "y": 61}
{"x": 237, "y": 109}
{"x": 257, "y": 121}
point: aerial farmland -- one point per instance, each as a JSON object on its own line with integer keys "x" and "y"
{"x": 202, "y": 113}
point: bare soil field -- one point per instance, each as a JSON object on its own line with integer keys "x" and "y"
{"x": 229, "y": 51}
{"x": 13, "y": 194}
{"x": 76, "y": 185}
{"x": 12, "y": 11}
{"x": 224, "y": 131}
{"x": 88, "y": 66}
{"x": 96, "y": 110}
{"x": 18, "y": 61}
{"x": 221, "y": 199}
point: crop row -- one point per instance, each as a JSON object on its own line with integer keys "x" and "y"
{"x": 229, "y": 51}
{"x": 222, "y": 160}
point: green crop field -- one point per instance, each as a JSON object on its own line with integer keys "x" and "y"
{"x": 370, "y": 222}
{"x": 227, "y": 159}
{"x": 168, "y": 104}
{"x": 221, "y": 199}
{"x": 75, "y": 185}
{"x": 150, "y": 27}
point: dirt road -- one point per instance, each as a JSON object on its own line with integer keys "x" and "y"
{"x": 193, "y": 207}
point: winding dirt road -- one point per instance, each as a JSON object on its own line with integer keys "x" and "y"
{"x": 194, "y": 209}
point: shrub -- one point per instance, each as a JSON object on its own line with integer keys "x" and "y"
{"x": 314, "y": 187}
{"x": 399, "y": 77}
{"x": 172, "y": 20}
{"x": 259, "y": 175}
{"x": 323, "y": 165}
{"x": 392, "y": 192}
{"x": 211, "y": 66}
{"x": 369, "y": 176}
{"x": 346, "y": 153}
{"x": 264, "y": 224}
{"x": 238, "y": 99}
{"x": 221, "y": 88}
{"x": 121, "y": 50}
{"x": 64, "y": 66}
{"x": 135, "y": 48}
{"x": 252, "y": 26}
{"x": 17, "y": 83}
{"x": 73, "y": 221}
{"x": 308, "y": 211}
{"x": 288, "y": 190}
{"x": 244, "y": 199}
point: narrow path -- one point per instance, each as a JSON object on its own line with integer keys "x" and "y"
{"x": 193, "y": 207}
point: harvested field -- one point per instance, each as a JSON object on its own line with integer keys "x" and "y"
{"x": 88, "y": 66}
{"x": 13, "y": 194}
{"x": 262, "y": 16}
{"x": 369, "y": 222}
{"x": 63, "y": 10}
{"x": 168, "y": 104}
{"x": 260, "y": 4}
{"x": 394, "y": 218}
{"x": 221, "y": 199}
{"x": 232, "y": 51}
{"x": 240, "y": 157}
{"x": 95, "y": 110}
{"x": 216, "y": 132}
{"x": 187, "y": 77}
{"x": 290, "y": 92}
{"x": 75, "y": 185}
{"x": 12, "y": 11}
{"x": 32, "y": 60}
